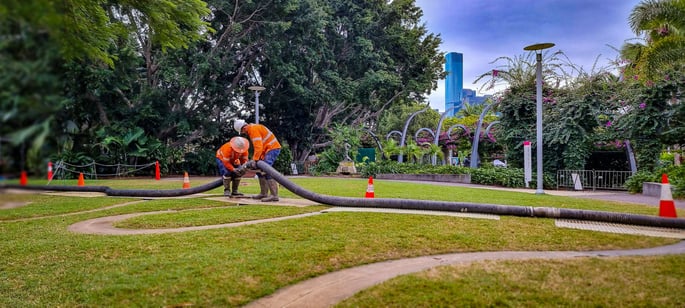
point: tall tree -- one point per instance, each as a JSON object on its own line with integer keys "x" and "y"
{"x": 346, "y": 62}
{"x": 46, "y": 42}
{"x": 85, "y": 29}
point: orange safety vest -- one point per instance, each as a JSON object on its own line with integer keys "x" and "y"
{"x": 229, "y": 157}
{"x": 263, "y": 140}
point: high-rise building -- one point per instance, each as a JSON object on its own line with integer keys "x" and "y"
{"x": 454, "y": 82}
{"x": 455, "y": 94}
{"x": 469, "y": 97}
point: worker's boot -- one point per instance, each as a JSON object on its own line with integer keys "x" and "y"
{"x": 263, "y": 189}
{"x": 273, "y": 186}
{"x": 234, "y": 186}
{"x": 227, "y": 186}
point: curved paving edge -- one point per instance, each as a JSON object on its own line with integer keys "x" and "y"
{"x": 104, "y": 225}
{"x": 332, "y": 288}
{"x": 75, "y": 213}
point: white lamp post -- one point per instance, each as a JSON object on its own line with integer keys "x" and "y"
{"x": 538, "y": 128}
{"x": 256, "y": 90}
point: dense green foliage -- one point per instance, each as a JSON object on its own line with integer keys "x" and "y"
{"x": 505, "y": 177}
{"x": 676, "y": 178}
{"x": 661, "y": 27}
{"x": 323, "y": 64}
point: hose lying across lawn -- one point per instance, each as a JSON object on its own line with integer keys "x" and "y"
{"x": 464, "y": 207}
{"x": 149, "y": 193}
{"x": 523, "y": 211}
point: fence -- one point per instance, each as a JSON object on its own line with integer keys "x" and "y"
{"x": 94, "y": 170}
{"x": 595, "y": 179}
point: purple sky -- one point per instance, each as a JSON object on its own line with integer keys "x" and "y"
{"x": 484, "y": 30}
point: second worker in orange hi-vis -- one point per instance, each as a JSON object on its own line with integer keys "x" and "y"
{"x": 228, "y": 158}
{"x": 267, "y": 148}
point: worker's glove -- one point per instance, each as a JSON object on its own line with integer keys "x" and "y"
{"x": 240, "y": 171}
{"x": 251, "y": 164}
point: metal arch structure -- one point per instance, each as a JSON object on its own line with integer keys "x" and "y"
{"x": 631, "y": 157}
{"x": 393, "y": 133}
{"x": 442, "y": 119}
{"x": 400, "y": 157}
{"x": 378, "y": 142}
{"x": 476, "y": 136}
{"x": 462, "y": 126}
{"x": 426, "y": 129}
{"x": 438, "y": 129}
{"x": 487, "y": 129}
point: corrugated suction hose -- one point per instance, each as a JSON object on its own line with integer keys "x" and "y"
{"x": 464, "y": 207}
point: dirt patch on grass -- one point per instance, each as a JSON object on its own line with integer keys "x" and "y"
{"x": 12, "y": 205}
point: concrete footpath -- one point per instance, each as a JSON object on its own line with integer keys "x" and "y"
{"x": 330, "y": 289}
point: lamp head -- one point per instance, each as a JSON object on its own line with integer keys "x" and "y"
{"x": 539, "y": 46}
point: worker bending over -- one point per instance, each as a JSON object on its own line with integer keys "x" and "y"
{"x": 265, "y": 147}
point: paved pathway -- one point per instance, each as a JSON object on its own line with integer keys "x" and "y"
{"x": 104, "y": 225}
{"x": 330, "y": 289}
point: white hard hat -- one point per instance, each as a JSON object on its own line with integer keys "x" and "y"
{"x": 238, "y": 125}
{"x": 239, "y": 144}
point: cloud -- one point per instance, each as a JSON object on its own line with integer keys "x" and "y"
{"x": 485, "y": 30}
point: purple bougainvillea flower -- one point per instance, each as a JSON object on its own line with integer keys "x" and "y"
{"x": 608, "y": 123}
{"x": 643, "y": 105}
{"x": 636, "y": 77}
{"x": 650, "y": 83}
{"x": 495, "y": 73}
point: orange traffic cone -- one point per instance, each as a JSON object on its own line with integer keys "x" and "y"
{"x": 157, "y": 176}
{"x": 369, "y": 188}
{"x": 49, "y": 171}
{"x": 186, "y": 180}
{"x": 81, "y": 182}
{"x": 23, "y": 179}
{"x": 666, "y": 204}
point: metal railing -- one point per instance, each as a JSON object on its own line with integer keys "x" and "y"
{"x": 595, "y": 179}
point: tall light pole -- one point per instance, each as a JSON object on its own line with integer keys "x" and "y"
{"x": 538, "y": 127}
{"x": 256, "y": 90}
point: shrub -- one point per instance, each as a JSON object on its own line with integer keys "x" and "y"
{"x": 507, "y": 177}
{"x": 285, "y": 158}
{"x": 634, "y": 182}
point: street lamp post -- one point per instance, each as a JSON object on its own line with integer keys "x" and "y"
{"x": 538, "y": 127}
{"x": 256, "y": 90}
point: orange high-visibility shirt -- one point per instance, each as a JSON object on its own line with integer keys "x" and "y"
{"x": 263, "y": 140}
{"x": 229, "y": 157}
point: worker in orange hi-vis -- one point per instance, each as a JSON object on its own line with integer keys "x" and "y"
{"x": 266, "y": 147}
{"x": 229, "y": 157}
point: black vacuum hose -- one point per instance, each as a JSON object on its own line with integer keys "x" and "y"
{"x": 524, "y": 211}
{"x": 465, "y": 207}
{"x": 145, "y": 193}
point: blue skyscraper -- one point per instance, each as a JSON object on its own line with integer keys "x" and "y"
{"x": 454, "y": 82}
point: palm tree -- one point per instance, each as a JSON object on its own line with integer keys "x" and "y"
{"x": 390, "y": 148}
{"x": 520, "y": 71}
{"x": 414, "y": 151}
{"x": 661, "y": 24}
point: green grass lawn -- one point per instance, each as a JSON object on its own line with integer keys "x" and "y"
{"x": 44, "y": 264}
